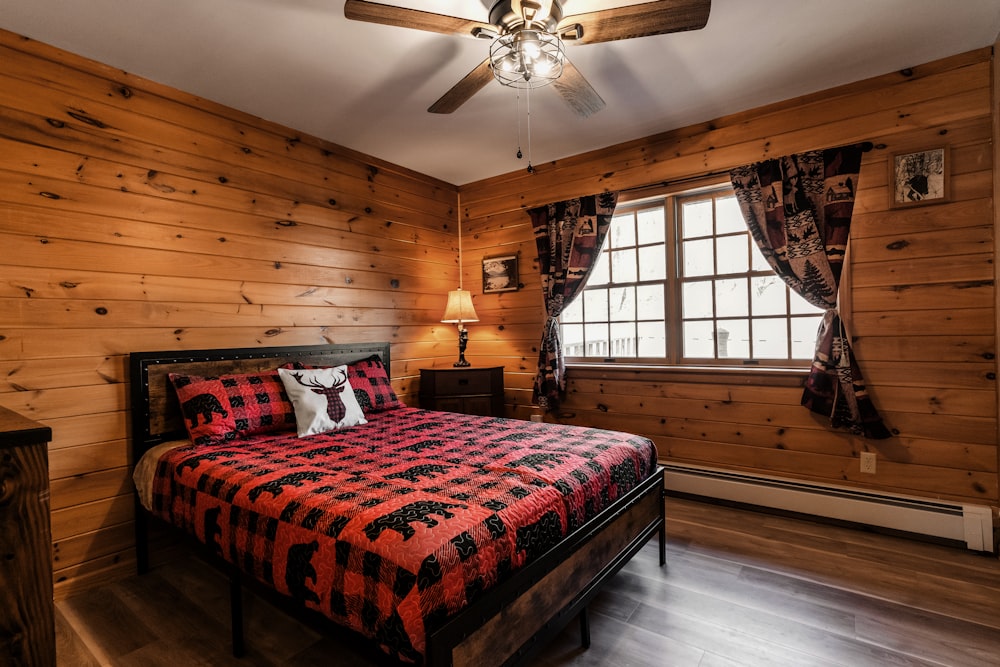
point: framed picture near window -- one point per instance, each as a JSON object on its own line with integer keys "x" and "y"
{"x": 500, "y": 274}
{"x": 919, "y": 177}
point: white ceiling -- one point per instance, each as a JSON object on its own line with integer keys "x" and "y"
{"x": 302, "y": 64}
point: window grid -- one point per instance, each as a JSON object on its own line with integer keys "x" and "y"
{"x": 680, "y": 281}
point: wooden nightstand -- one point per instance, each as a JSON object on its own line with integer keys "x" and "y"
{"x": 471, "y": 390}
{"x": 27, "y": 614}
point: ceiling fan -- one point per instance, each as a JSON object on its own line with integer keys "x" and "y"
{"x": 527, "y": 39}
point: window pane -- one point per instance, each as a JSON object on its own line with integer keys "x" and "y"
{"x": 622, "y": 231}
{"x": 597, "y": 340}
{"x": 652, "y": 226}
{"x": 698, "y": 340}
{"x": 697, "y": 219}
{"x": 804, "y": 330}
{"x": 731, "y": 297}
{"x": 600, "y": 274}
{"x": 652, "y": 339}
{"x": 697, "y": 300}
{"x": 649, "y": 301}
{"x": 728, "y": 217}
{"x": 622, "y": 339}
{"x": 574, "y": 311}
{"x": 595, "y": 305}
{"x": 770, "y": 339}
{"x": 799, "y": 305}
{"x": 734, "y": 339}
{"x": 653, "y": 262}
{"x": 731, "y": 254}
{"x": 767, "y": 295}
{"x": 623, "y": 268}
{"x": 698, "y": 258}
{"x": 622, "y": 304}
{"x": 572, "y": 339}
{"x": 758, "y": 263}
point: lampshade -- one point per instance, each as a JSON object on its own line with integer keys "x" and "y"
{"x": 459, "y": 308}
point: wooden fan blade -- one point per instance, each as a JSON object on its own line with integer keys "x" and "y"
{"x": 577, "y": 92}
{"x": 462, "y": 91}
{"x": 373, "y": 12}
{"x": 648, "y": 18}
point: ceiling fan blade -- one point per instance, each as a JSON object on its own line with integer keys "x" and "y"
{"x": 462, "y": 91}
{"x": 577, "y": 92}
{"x": 648, "y": 18}
{"x": 373, "y": 12}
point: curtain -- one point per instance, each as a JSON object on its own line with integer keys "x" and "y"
{"x": 569, "y": 236}
{"x": 798, "y": 209}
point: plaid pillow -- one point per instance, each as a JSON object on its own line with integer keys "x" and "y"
{"x": 226, "y": 407}
{"x": 370, "y": 382}
{"x": 371, "y": 385}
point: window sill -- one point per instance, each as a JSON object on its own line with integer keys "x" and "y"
{"x": 768, "y": 377}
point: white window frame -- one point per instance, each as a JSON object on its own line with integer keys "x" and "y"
{"x": 671, "y": 200}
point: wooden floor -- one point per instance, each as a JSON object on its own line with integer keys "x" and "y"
{"x": 739, "y": 588}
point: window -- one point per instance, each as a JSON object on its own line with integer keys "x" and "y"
{"x": 680, "y": 281}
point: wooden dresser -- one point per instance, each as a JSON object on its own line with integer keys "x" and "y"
{"x": 27, "y": 620}
{"x": 469, "y": 389}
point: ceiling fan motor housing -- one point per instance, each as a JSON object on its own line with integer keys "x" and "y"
{"x": 510, "y": 15}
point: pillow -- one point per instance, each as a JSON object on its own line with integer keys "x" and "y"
{"x": 370, "y": 382}
{"x": 323, "y": 399}
{"x": 371, "y": 385}
{"x": 227, "y": 407}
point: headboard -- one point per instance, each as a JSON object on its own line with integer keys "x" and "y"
{"x": 156, "y": 414}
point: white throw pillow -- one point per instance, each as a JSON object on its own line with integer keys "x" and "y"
{"x": 323, "y": 399}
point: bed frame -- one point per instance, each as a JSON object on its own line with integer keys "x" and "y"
{"x": 507, "y": 625}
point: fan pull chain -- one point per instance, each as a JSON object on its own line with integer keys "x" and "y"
{"x": 517, "y": 114}
{"x": 527, "y": 97}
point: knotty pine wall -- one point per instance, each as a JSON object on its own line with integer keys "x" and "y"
{"x": 919, "y": 292}
{"x": 137, "y": 217}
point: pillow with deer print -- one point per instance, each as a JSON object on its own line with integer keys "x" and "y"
{"x": 323, "y": 399}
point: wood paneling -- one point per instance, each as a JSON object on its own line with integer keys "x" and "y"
{"x": 137, "y": 217}
{"x": 919, "y": 292}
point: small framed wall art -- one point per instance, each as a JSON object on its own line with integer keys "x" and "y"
{"x": 500, "y": 274}
{"x": 919, "y": 177}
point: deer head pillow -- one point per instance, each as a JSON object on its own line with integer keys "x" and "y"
{"x": 323, "y": 399}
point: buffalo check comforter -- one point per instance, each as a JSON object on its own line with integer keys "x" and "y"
{"x": 391, "y": 527}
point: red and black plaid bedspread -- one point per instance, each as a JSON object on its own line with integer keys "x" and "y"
{"x": 391, "y": 527}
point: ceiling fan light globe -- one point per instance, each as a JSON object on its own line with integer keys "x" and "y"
{"x": 527, "y": 58}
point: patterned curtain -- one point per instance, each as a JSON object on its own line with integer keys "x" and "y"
{"x": 798, "y": 209}
{"x": 569, "y": 235}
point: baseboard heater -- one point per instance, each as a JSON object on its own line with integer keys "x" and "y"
{"x": 968, "y": 524}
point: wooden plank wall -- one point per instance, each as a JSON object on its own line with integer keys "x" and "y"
{"x": 137, "y": 217}
{"x": 919, "y": 293}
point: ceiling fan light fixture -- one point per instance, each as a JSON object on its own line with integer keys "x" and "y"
{"x": 526, "y": 58}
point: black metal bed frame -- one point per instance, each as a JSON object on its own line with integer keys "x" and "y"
{"x": 593, "y": 540}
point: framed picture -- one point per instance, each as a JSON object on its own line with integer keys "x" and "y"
{"x": 500, "y": 274}
{"x": 919, "y": 178}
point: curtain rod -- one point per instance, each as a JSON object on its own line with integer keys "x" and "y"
{"x": 865, "y": 147}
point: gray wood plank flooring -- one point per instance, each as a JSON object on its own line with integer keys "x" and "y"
{"x": 739, "y": 588}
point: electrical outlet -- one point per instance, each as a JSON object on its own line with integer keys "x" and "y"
{"x": 868, "y": 462}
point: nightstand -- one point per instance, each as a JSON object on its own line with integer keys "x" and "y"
{"x": 471, "y": 390}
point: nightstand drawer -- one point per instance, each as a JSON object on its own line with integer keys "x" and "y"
{"x": 474, "y": 391}
{"x": 463, "y": 381}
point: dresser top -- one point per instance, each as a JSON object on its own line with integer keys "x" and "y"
{"x": 17, "y": 430}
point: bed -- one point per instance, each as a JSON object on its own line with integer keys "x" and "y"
{"x": 443, "y": 539}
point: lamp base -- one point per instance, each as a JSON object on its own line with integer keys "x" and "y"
{"x": 463, "y": 341}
